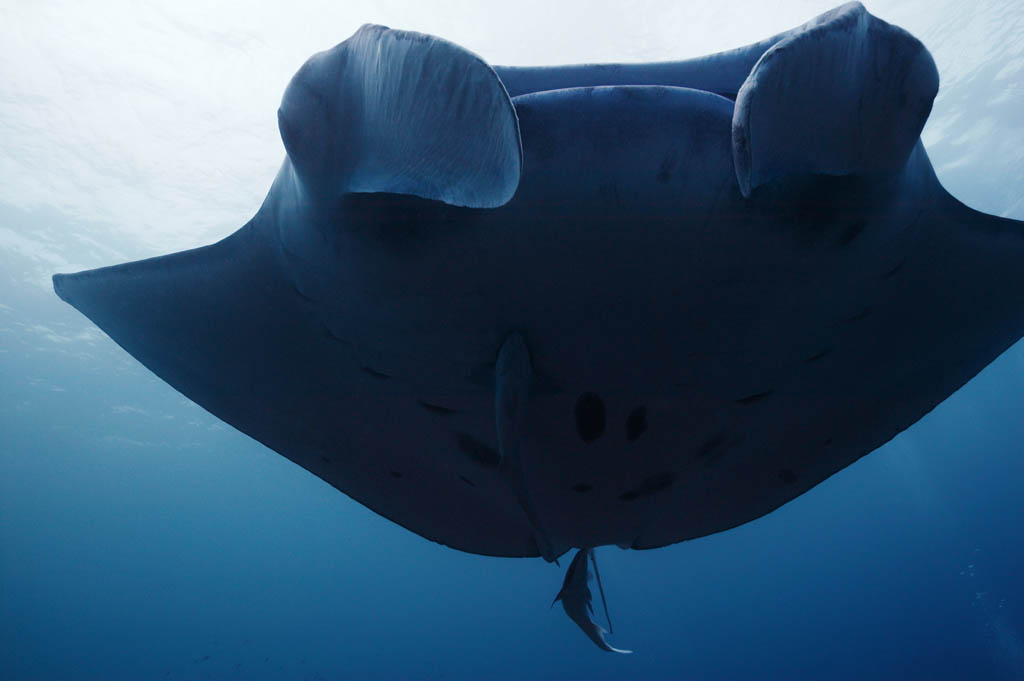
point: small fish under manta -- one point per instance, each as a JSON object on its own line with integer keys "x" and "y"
{"x": 522, "y": 310}
{"x": 575, "y": 596}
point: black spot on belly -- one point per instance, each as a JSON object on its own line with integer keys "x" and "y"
{"x": 861, "y": 315}
{"x": 436, "y": 408}
{"x": 375, "y": 373}
{"x": 756, "y": 397}
{"x": 896, "y": 268}
{"x": 590, "y": 417}
{"x": 828, "y": 441}
{"x": 636, "y": 423}
{"x": 582, "y": 487}
{"x": 818, "y": 355}
{"x": 651, "y": 485}
{"x": 851, "y": 232}
{"x": 325, "y": 459}
{"x": 330, "y": 334}
{"x": 395, "y": 474}
{"x": 713, "y": 443}
{"x": 787, "y": 476}
{"x": 477, "y": 451}
{"x": 466, "y": 480}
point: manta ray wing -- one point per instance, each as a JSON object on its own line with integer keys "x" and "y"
{"x": 222, "y": 325}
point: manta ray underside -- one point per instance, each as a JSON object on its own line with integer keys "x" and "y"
{"x": 521, "y": 310}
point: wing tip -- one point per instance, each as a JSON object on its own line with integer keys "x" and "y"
{"x": 60, "y": 287}
{"x": 64, "y": 285}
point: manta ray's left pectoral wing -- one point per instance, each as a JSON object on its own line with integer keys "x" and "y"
{"x": 845, "y": 93}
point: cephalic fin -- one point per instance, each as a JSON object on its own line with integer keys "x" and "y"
{"x": 844, "y": 93}
{"x": 402, "y": 112}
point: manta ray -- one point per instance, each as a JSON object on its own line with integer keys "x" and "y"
{"x": 524, "y": 310}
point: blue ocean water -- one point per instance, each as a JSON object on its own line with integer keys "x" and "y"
{"x": 140, "y": 538}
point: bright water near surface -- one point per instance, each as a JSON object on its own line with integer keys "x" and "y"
{"x": 140, "y": 538}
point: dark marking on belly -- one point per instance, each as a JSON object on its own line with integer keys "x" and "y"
{"x": 582, "y": 487}
{"x": 851, "y": 232}
{"x": 466, "y": 480}
{"x": 590, "y": 417}
{"x": 818, "y": 355}
{"x": 896, "y": 268}
{"x": 375, "y": 373}
{"x": 650, "y": 486}
{"x": 330, "y": 334}
{"x": 713, "y": 443}
{"x": 787, "y": 476}
{"x": 325, "y": 459}
{"x": 436, "y": 408}
{"x": 828, "y": 441}
{"x": 636, "y": 423}
{"x": 756, "y": 397}
{"x": 861, "y": 315}
{"x": 477, "y": 451}
{"x": 395, "y": 474}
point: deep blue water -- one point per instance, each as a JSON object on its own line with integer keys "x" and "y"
{"x": 142, "y": 539}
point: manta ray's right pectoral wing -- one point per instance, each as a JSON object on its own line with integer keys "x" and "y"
{"x": 258, "y": 328}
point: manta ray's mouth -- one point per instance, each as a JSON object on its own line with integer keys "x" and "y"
{"x": 567, "y": 79}
{"x": 704, "y": 74}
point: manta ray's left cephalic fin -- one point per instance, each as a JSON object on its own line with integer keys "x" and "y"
{"x": 403, "y": 113}
{"x": 846, "y": 93}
